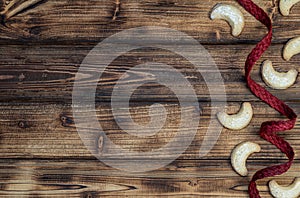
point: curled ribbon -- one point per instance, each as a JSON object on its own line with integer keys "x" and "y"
{"x": 268, "y": 129}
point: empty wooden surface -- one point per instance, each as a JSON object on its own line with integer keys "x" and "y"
{"x": 42, "y": 44}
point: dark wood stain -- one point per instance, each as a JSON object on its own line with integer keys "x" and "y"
{"x": 56, "y": 21}
{"x": 23, "y": 124}
{"x": 90, "y": 194}
{"x": 42, "y": 47}
{"x": 63, "y": 178}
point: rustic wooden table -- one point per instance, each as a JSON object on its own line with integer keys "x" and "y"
{"x": 42, "y": 44}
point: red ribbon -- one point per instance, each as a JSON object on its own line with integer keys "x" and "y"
{"x": 269, "y": 129}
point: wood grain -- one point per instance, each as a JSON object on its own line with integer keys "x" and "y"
{"x": 46, "y": 73}
{"x": 63, "y": 21}
{"x": 91, "y": 178}
{"x": 43, "y": 43}
{"x": 48, "y": 131}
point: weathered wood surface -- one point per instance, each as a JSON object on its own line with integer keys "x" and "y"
{"x": 79, "y": 21}
{"x": 46, "y": 73}
{"x": 42, "y": 44}
{"x": 48, "y": 131}
{"x": 82, "y": 178}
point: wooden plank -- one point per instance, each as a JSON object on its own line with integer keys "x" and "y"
{"x": 82, "y": 178}
{"x": 48, "y": 131}
{"x": 46, "y": 73}
{"x": 42, "y": 44}
{"x": 63, "y": 21}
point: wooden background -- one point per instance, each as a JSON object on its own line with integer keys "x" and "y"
{"x": 42, "y": 44}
